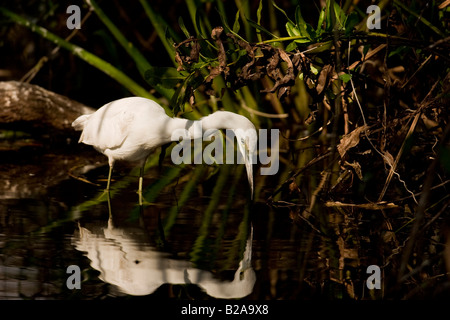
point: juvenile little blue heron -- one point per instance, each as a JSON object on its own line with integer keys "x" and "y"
{"x": 130, "y": 129}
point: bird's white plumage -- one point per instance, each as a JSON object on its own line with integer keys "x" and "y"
{"x": 126, "y": 129}
{"x": 131, "y": 128}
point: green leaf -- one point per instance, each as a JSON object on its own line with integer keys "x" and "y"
{"x": 200, "y": 27}
{"x": 365, "y": 50}
{"x": 185, "y": 90}
{"x": 260, "y": 28}
{"x": 293, "y": 31}
{"x": 311, "y": 32}
{"x": 351, "y": 21}
{"x": 167, "y": 77}
{"x": 258, "y": 16}
{"x": 345, "y": 77}
{"x": 183, "y": 27}
{"x": 320, "y": 29}
{"x": 258, "y": 12}
{"x": 335, "y": 16}
{"x": 227, "y": 27}
{"x": 291, "y": 46}
{"x": 301, "y": 23}
{"x": 282, "y": 11}
{"x": 236, "y": 25}
{"x": 314, "y": 70}
{"x": 328, "y": 16}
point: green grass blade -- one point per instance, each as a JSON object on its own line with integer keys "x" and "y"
{"x": 152, "y": 192}
{"x": 283, "y": 12}
{"x": 420, "y": 18}
{"x": 261, "y": 28}
{"x": 161, "y": 28}
{"x": 236, "y": 24}
{"x": 88, "y": 57}
{"x": 199, "y": 245}
{"x": 192, "y": 8}
{"x": 224, "y": 20}
{"x": 141, "y": 63}
{"x": 169, "y": 221}
{"x": 258, "y": 20}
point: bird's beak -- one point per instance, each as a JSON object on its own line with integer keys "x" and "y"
{"x": 249, "y": 168}
{"x": 248, "y": 149}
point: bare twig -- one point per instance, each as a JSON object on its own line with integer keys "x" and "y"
{"x": 420, "y": 212}
{"x": 33, "y": 71}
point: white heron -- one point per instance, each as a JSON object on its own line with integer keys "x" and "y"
{"x": 130, "y": 129}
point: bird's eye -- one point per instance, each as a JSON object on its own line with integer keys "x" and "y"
{"x": 242, "y": 141}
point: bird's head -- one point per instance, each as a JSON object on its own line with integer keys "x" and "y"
{"x": 247, "y": 141}
{"x": 245, "y": 133}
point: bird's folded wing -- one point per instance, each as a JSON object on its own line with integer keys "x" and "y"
{"x": 108, "y": 132}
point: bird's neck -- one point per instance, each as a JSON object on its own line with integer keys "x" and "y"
{"x": 223, "y": 120}
{"x": 177, "y": 127}
{"x": 194, "y": 129}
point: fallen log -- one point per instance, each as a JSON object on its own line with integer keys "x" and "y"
{"x": 25, "y": 105}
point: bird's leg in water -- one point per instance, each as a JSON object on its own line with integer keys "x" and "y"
{"x": 106, "y": 191}
{"x": 110, "y": 222}
{"x": 141, "y": 178}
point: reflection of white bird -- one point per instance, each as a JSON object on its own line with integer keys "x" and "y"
{"x": 131, "y": 128}
{"x": 136, "y": 268}
{"x": 241, "y": 285}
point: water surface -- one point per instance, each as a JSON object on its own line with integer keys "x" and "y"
{"x": 212, "y": 243}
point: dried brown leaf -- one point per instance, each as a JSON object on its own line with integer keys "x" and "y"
{"x": 195, "y": 52}
{"x": 272, "y": 68}
{"x": 357, "y": 167}
{"x": 179, "y": 61}
{"x": 283, "y": 82}
{"x": 324, "y": 77}
{"x": 222, "y": 56}
{"x": 350, "y": 140}
{"x": 388, "y": 159}
{"x": 293, "y": 187}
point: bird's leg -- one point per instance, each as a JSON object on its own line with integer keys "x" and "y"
{"x": 141, "y": 179}
{"x": 110, "y": 221}
{"x": 109, "y": 177}
{"x": 106, "y": 191}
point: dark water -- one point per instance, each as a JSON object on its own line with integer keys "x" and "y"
{"x": 207, "y": 244}
{"x": 197, "y": 235}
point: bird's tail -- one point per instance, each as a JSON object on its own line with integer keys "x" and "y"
{"x": 80, "y": 122}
